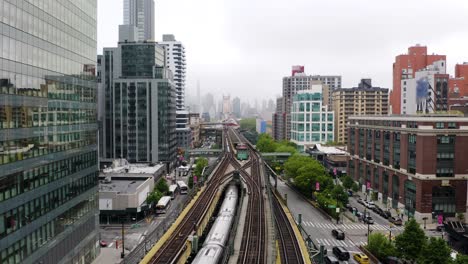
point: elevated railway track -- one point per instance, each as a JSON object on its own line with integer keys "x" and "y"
{"x": 255, "y": 234}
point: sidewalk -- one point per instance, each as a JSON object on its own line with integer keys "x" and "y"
{"x": 109, "y": 256}
{"x": 429, "y": 226}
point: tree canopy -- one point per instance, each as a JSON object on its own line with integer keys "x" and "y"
{"x": 380, "y": 246}
{"x": 248, "y": 124}
{"x": 162, "y": 186}
{"x": 266, "y": 143}
{"x": 435, "y": 250}
{"x": 347, "y": 182}
{"x": 411, "y": 241}
{"x": 199, "y": 165}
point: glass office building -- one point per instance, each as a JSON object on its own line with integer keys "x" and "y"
{"x": 48, "y": 150}
{"x": 138, "y": 105}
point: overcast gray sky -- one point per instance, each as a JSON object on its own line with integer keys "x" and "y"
{"x": 245, "y": 47}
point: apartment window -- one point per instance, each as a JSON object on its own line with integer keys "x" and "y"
{"x": 452, "y": 125}
{"x": 440, "y": 125}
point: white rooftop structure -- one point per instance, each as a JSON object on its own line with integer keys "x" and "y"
{"x": 123, "y": 166}
{"x": 328, "y": 150}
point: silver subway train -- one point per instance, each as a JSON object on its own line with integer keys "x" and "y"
{"x": 216, "y": 240}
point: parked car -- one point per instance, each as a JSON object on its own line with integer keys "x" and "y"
{"x": 331, "y": 260}
{"x": 359, "y": 200}
{"x": 386, "y": 214}
{"x": 361, "y": 258}
{"x": 351, "y": 209}
{"x": 338, "y": 234}
{"x": 396, "y": 221}
{"x": 341, "y": 253}
{"x": 378, "y": 210}
{"x": 370, "y": 205}
{"x": 348, "y": 206}
{"x": 103, "y": 243}
{"x": 350, "y": 193}
{"x": 368, "y": 220}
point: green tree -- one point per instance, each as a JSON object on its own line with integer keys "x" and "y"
{"x": 190, "y": 182}
{"x": 338, "y": 193}
{"x": 162, "y": 186}
{"x": 295, "y": 162}
{"x": 347, "y": 182}
{"x": 411, "y": 241}
{"x": 154, "y": 197}
{"x": 461, "y": 259}
{"x": 355, "y": 187}
{"x": 284, "y": 148}
{"x": 435, "y": 250}
{"x": 248, "y": 124}
{"x": 199, "y": 165}
{"x": 266, "y": 143}
{"x": 380, "y": 246}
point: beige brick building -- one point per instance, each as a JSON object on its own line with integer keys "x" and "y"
{"x": 361, "y": 100}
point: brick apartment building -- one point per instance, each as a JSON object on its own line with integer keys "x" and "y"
{"x": 418, "y": 164}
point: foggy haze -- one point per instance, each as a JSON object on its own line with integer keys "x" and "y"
{"x": 243, "y": 48}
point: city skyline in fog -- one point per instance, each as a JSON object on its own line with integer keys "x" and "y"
{"x": 244, "y": 48}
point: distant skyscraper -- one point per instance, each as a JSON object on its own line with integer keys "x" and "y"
{"x": 271, "y": 105}
{"x": 48, "y": 144}
{"x": 175, "y": 59}
{"x": 209, "y": 104}
{"x": 140, "y": 13}
{"x": 236, "y": 107}
{"x": 226, "y": 104}
{"x": 405, "y": 67}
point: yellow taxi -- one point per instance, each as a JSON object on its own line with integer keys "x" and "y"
{"x": 361, "y": 258}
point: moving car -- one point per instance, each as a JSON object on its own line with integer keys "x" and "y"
{"x": 359, "y": 200}
{"x": 396, "y": 221}
{"x": 368, "y": 220}
{"x": 103, "y": 243}
{"x": 338, "y": 234}
{"x": 331, "y": 260}
{"x": 370, "y": 205}
{"x": 361, "y": 258}
{"x": 341, "y": 253}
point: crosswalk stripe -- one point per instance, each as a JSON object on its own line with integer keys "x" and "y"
{"x": 351, "y": 242}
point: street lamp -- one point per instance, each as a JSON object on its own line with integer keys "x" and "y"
{"x": 122, "y": 255}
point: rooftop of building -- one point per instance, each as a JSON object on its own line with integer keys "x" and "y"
{"x": 442, "y": 117}
{"x": 327, "y": 150}
{"x": 122, "y": 166}
{"x": 120, "y": 185}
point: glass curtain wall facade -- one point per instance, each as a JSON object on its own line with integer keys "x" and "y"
{"x": 48, "y": 128}
{"x": 139, "y": 105}
{"x": 311, "y": 122}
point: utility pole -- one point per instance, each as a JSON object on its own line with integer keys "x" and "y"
{"x": 122, "y": 255}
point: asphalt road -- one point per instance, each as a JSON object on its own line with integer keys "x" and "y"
{"x": 319, "y": 227}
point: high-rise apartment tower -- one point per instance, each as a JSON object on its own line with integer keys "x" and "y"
{"x": 175, "y": 61}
